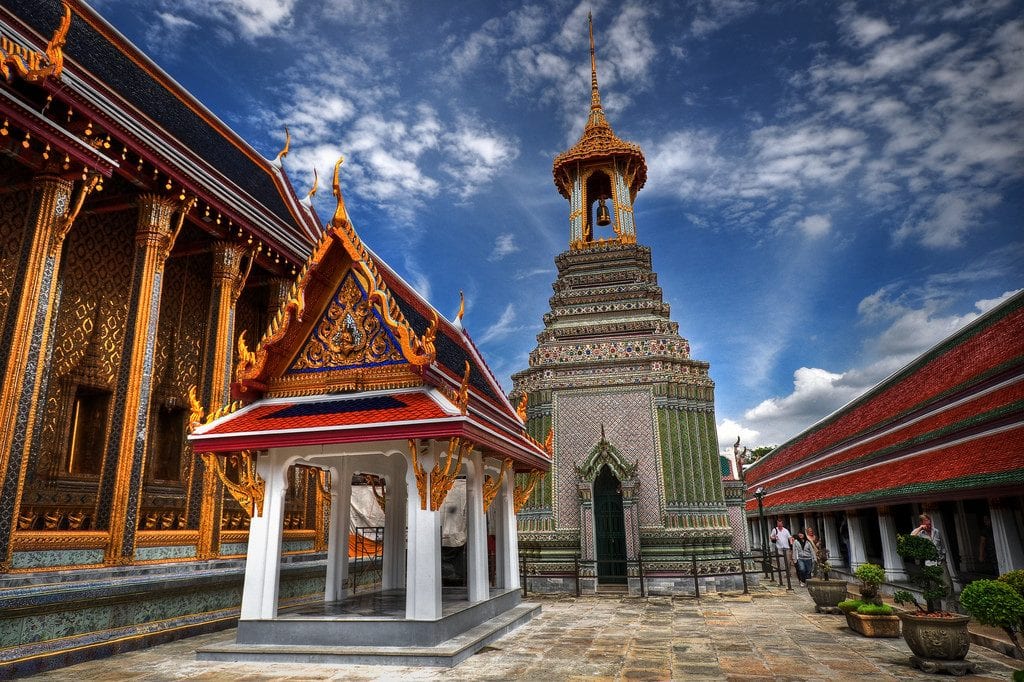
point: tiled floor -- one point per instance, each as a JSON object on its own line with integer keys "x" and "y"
{"x": 773, "y": 636}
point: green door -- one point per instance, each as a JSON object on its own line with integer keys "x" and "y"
{"x": 609, "y": 528}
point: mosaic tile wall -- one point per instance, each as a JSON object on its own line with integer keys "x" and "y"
{"x": 629, "y": 427}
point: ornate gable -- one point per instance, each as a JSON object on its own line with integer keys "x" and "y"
{"x": 340, "y": 330}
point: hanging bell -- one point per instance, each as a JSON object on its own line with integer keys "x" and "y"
{"x": 603, "y": 217}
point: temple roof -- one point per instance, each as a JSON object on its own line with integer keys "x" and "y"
{"x": 107, "y": 72}
{"x": 598, "y": 140}
{"x": 356, "y": 354}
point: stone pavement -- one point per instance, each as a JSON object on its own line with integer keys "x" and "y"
{"x": 771, "y": 635}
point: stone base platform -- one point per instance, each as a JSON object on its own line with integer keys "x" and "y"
{"x": 371, "y": 629}
{"x": 931, "y": 665}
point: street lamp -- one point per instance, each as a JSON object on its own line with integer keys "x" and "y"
{"x": 759, "y": 494}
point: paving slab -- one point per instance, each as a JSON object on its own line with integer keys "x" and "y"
{"x": 771, "y": 635}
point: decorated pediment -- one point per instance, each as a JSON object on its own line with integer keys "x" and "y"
{"x": 340, "y": 329}
{"x": 602, "y": 454}
{"x": 351, "y": 334}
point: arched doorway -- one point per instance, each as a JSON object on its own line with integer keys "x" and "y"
{"x": 609, "y": 529}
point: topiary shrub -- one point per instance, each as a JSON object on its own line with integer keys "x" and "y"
{"x": 931, "y": 579}
{"x": 821, "y": 565}
{"x": 871, "y": 576}
{"x": 996, "y": 603}
{"x": 875, "y": 610}
{"x": 1014, "y": 579}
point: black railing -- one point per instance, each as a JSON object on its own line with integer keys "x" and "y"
{"x": 642, "y": 567}
{"x": 367, "y": 565}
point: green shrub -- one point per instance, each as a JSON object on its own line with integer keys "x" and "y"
{"x": 870, "y": 574}
{"x": 916, "y": 547}
{"x": 848, "y": 605}
{"x": 996, "y": 603}
{"x": 903, "y": 597}
{"x": 875, "y": 610}
{"x": 1014, "y": 579}
{"x": 931, "y": 579}
{"x": 870, "y": 577}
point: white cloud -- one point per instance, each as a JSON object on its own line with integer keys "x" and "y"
{"x": 866, "y": 30}
{"x": 815, "y": 226}
{"x": 504, "y": 245}
{"x": 249, "y": 19}
{"x": 503, "y": 327}
{"x": 728, "y": 431}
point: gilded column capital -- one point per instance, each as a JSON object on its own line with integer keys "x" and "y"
{"x": 277, "y": 293}
{"x": 54, "y": 196}
{"x": 228, "y": 271}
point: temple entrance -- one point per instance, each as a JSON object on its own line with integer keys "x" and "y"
{"x": 609, "y": 529}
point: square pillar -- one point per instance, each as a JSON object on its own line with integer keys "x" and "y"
{"x": 393, "y": 570}
{"x": 338, "y": 531}
{"x": 423, "y": 579}
{"x": 476, "y": 531}
{"x": 263, "y": 557}
{"x": 857, "y": 553}
{"x": 831, "y": 539}
{"x": 1008, "y": 543}
{"x": 895, "y": 571}
{"x": 507, "y": 527}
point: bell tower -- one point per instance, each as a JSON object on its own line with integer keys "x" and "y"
{"x": 635, "y": 472}
{"x": 600, "y": 176}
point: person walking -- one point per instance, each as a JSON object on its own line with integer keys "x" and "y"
{"x": 803, "y": 557}
{"x": 782, "y": 541}
{"x": 926, "y": 529}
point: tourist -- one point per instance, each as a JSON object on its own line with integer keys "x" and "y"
{"x": 927, "y": 530}
{"x": 813, "y": 539}
{"x": 803, "y": 557}
{"x": 782, "y": 540}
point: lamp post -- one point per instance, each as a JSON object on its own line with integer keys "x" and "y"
{"x": 759, "y": 494}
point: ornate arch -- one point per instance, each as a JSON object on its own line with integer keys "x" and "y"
{"x": 605, "y": 453}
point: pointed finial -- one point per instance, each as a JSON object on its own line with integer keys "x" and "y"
{"x": 312, "y": 191}
{"x": 284, "y": 152}
{"x": 340, "y": 214}
{"x": 595, "y": 96}
{"x": 462, "y": 306}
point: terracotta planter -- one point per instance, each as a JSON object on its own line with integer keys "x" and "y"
{"x": 943, "y": 639}
{"x": 873, "y": 626}
{"x": 826, "y": 594}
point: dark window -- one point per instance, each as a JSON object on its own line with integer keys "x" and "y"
{"x": 168, "y": 439}
{"x": 88, "y": 431}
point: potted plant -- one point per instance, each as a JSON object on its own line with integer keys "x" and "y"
{"x": 999, "y": 603}
{"x": 939, "y": 639}
{"x": 868, "y": 615}
{"x": 869, "y": 619}
{"x": 826, "y": 593}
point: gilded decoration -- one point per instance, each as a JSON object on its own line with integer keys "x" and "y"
{"x": 417, "y": 350}
{"x": 250, "y": 488}
{"x": 522, "y": 493}
{"x": 350, "y": 334}
{"x": 441, "y": 478}
{"x": 597, "y": 142}
{"x": 492, "y": 484}
{"x": 459, "y": 396}
{"x": 32, "y": 65}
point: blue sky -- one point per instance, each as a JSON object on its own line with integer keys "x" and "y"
{"x": 832, "y": 187}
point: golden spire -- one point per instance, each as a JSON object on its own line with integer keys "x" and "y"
{"x": 596, "y": 110}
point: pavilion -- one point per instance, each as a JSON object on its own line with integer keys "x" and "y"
{"x": 356, "y": 375}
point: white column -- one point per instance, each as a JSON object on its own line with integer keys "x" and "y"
{"x": 344, "y": 518}
{"x": 333, "y": 585}
{"x": 1009, "y": 544}
{"x": 476, "y": 531}
{"x": 395, "y": 506}
{"x": 423, "y": 580}
{"x": 895, "y": 571}
{"x": 831, "y": 539}
{"x": 857, "y": 554}
{"x": 965, "y": 539}
{"x": 936, "y": 515}
{"x": 507, "y": 541}
{"x": 263, "y": 558}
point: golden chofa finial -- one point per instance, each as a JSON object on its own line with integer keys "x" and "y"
{"x": 308, "y": 201}
{"x": 284, "y": 152}
{"x": 462, "y": 310}
{"x": 340, "y": 214}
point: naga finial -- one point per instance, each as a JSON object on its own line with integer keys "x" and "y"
{"x": 340, "y": 213}
{"x": 462, "y": 306}
{"x": 316, "y": 185}
{"x": 287, "y": 145}
{"x": 197, "y": 411}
